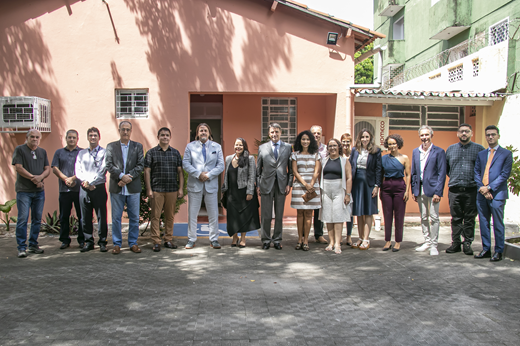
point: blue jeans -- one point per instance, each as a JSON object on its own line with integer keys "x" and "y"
{"x": 132, "y": 205}
{"x": 26, "y": 201}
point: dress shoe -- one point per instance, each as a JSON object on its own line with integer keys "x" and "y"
{"x": 64, "y": 246}
{"x": 467, "y": 249}
{"x": 81, "y": 245}
{"x": 190, "y": 245}
{"x": 170, "y": 245}
{"x": 103, "y": 248}
{"x": 215, "y": 244}
{"x": 116, "y": 250}
{"x": 423, "y": 247}
{"x": 87, "y": 247}
{"x": 453, "y": 248}
{"x": 483, "y": 254}
{"x": 387, "y": 248}
{"x": 156, "y": 248}
{"x": 277, "y": 246}
{"x": 135, "y": 248}
{"x": 496, "y": 257}
{"x": 266, "y": 246}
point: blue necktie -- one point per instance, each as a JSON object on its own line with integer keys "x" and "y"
{"x": 276, "y": 151}
{"x": 204, "y": 151}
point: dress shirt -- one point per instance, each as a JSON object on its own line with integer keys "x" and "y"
{"x": 460, "y": 161}
{"x": 65, "y": 160}
{"x": 124, "y": 150}
{"x": 424, "y": 157}
{"x": 163, "y": 165}
{"x": 362, "y": 159}
{"x": 489, "y": 150}
{"x": 90, "y": 166}
{"x": 322, "y": 150}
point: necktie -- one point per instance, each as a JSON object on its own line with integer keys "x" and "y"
{"x": 276, "y": 151}
{"x": 204, "y": 151}
{"x": 485, "y": 179}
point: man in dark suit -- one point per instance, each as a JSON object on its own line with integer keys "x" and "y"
{"x": 428, "y": 178}
{"x": 125, "y": 162}
{"x": 274, "y": 181}
{"x": 492, "y": 170}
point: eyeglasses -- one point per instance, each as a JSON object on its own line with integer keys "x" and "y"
{"x": 34, "y": 154}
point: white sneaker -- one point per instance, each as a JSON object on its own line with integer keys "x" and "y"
{"x": 423, "y": 247}
{"x": 433, "y": 251}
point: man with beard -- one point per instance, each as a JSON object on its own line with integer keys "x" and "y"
{"x": 460, "y": 165}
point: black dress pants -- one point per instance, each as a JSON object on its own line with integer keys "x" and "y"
{"x": 463, "y": 209}
{"x": 67, "y": 199}
{"x": 318, "y": 225}
{"x": 95, "y": 200}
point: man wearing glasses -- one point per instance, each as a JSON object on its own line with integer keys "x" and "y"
{"x": 32, "y": 167}
{"x": 460, "y": 167}
{"x": 91, "y": 173}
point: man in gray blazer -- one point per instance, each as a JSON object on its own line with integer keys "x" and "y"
{"x": 125, "y": 162}
{"x": 203, "y": 161}
{"x": 274, "y": 181}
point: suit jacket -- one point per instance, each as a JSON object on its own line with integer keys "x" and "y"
{"x": 374, "y": 167}
{"x": 246, "y": 175}
{"x": 193, "y": 163}
{"x": 499, "y": 171}
{"x": 134, "y": 165}
{"x": 268, "y": 169}
{"x": 434, "y": 176}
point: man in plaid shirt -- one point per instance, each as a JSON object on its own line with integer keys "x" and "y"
{"x": 164, "y": 180}
{"x": 460, "y": 164}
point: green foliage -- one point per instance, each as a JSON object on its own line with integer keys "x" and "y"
{"x": 364, "y": 71}
{"x": 514, "y": 179}
{"x": 73, "y": 224}
{"x": 52, "y": 223}
{"x": 6, "y": 209}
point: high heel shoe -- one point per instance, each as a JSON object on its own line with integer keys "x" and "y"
{"x": 387, "y": 248}
{"x": 234, "y": 244}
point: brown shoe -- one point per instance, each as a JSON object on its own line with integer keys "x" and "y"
{"x": 322, "y": 240}
{"x": 116, "y": 250}
{"x": 135, "y": 249}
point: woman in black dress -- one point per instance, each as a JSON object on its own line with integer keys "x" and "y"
{"x": 239, "y": 193}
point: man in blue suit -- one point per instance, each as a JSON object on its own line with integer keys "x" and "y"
{"x": 203, "y": 160}
{"x": 428, "y": 178}
{"x": 492, "y": 170}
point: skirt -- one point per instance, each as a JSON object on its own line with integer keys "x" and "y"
{"x": 333, "y": 208}
{"x": 363, "y": 202}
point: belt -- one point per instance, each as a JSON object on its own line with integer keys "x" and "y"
{"x": 462, "y": 188}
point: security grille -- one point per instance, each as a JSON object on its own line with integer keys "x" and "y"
{"x": 455, "y": 74}
{"x": 404, "y": 117}
{"x": 283, "y": 112}
{"x": 409, "y": 117}
{"x": 20, "y": 113}
{"x": 442, "y": 118}
{"x": 499, "y": 32}
{"x": 131, "y": 104}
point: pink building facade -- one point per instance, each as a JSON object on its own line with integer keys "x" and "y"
{"x": 235, "y": 64}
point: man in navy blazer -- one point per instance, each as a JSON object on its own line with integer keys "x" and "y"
{"x": 203, "y": 161}
{"x": 428, "y": 178}
{"x": 492, "y": 170}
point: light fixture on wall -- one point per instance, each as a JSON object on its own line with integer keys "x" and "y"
{"x": 332, "y": 38}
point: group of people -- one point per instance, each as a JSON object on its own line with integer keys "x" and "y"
{"x": 334, "y": 181}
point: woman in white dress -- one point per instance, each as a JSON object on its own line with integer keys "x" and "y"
{"x": 336, "y": 185}
{"x": 306, "y": 168}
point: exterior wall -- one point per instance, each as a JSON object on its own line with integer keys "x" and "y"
{"x": 77, "y": 54}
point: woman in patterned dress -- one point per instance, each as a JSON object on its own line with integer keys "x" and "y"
{"x": 306, "y": 168}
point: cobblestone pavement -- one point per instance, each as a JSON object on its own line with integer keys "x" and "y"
{"x": 251, "y": 296}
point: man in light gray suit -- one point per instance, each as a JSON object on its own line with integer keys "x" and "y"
{"x": 125, "y": 162}
{"x": 274, "y": 181}
{"x": 203, "y": 160}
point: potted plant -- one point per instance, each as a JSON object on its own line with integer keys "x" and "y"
{"x": 512, "y": 244}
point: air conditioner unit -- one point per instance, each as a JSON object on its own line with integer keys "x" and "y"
{"x": 378, "y": 126}
{"x": 21, "y": 113}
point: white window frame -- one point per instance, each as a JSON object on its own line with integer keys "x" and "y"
{"x": 491, "y": 41}
{"x": 398, "y": 27}
{"x": 134, "y": 113}
{"x": 272, "y": 113}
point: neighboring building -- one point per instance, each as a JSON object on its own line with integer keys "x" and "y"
{"x": 237, "y": 65}
{"x": 444, "y": 62}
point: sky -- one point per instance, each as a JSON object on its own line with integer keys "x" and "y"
{"x": 357, "y": 11}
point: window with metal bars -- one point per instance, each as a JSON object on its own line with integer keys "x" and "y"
{"x": 283, "y": 112}
{"x": 132, "y": 103}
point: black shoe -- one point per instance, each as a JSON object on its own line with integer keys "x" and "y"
{"x": 170, "y": 245}
{"x": 64, "y": 246}
{"x": 496, "y": 257}
{"x": 454, "y": 248}
{"x": 87, "y": 247}
{"x": 483, "y": 254}
{"x": 277, "y": 246}
{"x": 467, "y": 249}
{"x": 156, "y": 248}
{"x": 103, "y": 248}
{"x": 81, "y": 245}
{"x": 387, "y": 248}
{"x": 35, "y": 249}
{"x": 266, "y": 246}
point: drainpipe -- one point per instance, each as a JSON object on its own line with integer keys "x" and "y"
{"x": 377, "y": 82}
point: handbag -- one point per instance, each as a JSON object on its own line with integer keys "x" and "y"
{"x": 307, "y": 196}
